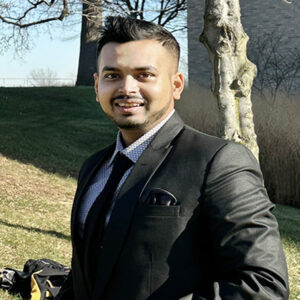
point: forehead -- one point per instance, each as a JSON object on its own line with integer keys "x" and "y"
{"x": 134, "y": 54}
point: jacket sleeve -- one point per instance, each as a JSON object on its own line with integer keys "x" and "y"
{"x": 248, "y": 260}
{"x": 67, "y": 291}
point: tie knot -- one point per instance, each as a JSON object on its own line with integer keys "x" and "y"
{"x": 122, "y": 162}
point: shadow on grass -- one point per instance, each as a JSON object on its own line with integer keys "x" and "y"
{"x": 54, "y": 129}
{"x": 38, "y": 230}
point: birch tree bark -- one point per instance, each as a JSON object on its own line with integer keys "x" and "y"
{"x": 232, "y": 76}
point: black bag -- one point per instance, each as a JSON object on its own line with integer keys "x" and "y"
{"x": 41, "y": 279}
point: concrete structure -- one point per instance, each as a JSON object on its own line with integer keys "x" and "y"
{"x": 258, "y": 18}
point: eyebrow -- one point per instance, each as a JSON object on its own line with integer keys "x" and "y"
{"x": 147, "y": 68}
{"x": 144, "y": 68}
{"x": 107, "y": 68}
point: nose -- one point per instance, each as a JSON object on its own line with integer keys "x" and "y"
{"x": 129, "y": 85}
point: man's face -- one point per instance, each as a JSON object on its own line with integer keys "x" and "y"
{"x": 137, "y": 83}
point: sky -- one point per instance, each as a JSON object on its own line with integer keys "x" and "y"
{"x": 59, "y": 53}
{"x": 56, "y": 53}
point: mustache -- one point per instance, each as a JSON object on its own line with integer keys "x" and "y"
{"x": 127, "y": 97}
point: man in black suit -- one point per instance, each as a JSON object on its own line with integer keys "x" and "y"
{"x": 188, "y": 216}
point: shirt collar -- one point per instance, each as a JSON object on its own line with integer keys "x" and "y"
{"x": 135, "y": 150}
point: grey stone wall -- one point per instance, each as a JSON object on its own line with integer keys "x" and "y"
{"x": 258, "y": 18}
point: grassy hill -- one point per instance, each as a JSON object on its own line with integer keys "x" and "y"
{"x": 52, "y": 128}
{"x": 45, "y": 134}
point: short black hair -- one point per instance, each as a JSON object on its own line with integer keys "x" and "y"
{"x": 125, "y": 29}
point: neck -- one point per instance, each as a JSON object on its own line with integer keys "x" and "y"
{"x": 129, "y": 136}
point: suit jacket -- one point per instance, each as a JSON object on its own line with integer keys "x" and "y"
{"x": 220, "y": 240}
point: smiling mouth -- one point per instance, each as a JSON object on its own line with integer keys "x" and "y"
{"x": 128, "y": 104}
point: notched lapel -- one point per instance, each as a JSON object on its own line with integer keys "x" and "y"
{"x": 88, "y": 174}
{"x": 122, "y": 214}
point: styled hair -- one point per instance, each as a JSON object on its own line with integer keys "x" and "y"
{"x": 125, "y": 29}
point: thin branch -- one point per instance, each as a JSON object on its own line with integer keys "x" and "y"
{"x": 173, "y": 13}
{"x": 161, "y": 12}
{"x": 64, "y": 13}
{"x": 143, "y": 8}
{"x": 130, "y": 7}
{"x": 34, "y": 6}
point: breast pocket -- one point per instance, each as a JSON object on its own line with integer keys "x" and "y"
{"x": 147, "y": 210}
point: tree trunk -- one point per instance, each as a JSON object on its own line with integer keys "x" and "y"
{"x": 91, "y": 21}
{"x": 233, "y": 73}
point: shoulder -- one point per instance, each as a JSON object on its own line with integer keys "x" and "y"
{"x": 216, "y": 147}
{"x": 198, "y": 144}
{"x": 201, "y": 137}
{"x": 218, "y": 155}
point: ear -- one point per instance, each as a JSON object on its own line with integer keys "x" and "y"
{"x": 96, "y": 78}
{"x": 178, "y": 85}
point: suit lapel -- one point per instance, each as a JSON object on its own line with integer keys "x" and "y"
{"x": 95, "y": 163}
{"x": 144, "y": 169}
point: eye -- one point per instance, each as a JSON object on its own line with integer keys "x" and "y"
{"x": 111, "y": 76}
{"x": 145, "y": 76}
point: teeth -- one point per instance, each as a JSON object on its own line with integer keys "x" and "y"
{"x": 128, "y": 104}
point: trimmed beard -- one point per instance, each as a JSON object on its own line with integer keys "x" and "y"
{"x": 146, "y": 125}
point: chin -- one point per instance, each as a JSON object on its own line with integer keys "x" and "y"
{"x": 131, "y": 125}
{"x": 130, "y": 122}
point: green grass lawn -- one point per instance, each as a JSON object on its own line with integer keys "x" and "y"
{"x": 45, "y": 134}
{"x": 52, "y": 128}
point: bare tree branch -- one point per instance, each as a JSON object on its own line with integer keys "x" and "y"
{"x": 277, "y": 66}
{"x": 162, "y": 11}
{"x": 28, "y": 15}
{"x": 18, "y": 21}
{"x": 143, "y": 7}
